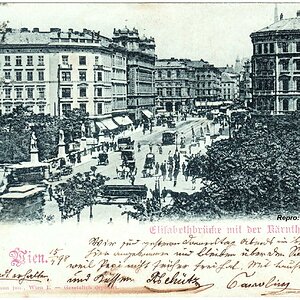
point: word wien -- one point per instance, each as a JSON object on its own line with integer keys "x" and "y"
{"x": 20, "y": 257}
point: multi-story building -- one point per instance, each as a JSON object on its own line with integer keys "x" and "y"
{"x": 207, "y": 84}
{"x": 185, "y": 85}
{"x": 175, "y": 80}
{"x": 246, "y": 85}
{"x": 50, "y": 72}
{"x": 140, "y": 71}
{"x": 276, "y": 66}
{"x": 230, "y": 86}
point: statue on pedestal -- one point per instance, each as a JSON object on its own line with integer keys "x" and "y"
{"x": 33, "y": 142}
{"x": 82, "y": 130}
{"x": 61, "y": 139}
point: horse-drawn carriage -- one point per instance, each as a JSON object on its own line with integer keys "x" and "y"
{"x": 149, "y": 165}
{"x": 125, "y": 143}
{"x": 103, "y": 158}
{"x": 123, "y": 191}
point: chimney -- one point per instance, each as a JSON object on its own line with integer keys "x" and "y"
{"x": 8, "y": 29}
{"x": 55, "y": 30}
{"x": 298, "y": 13}
{"x": 24, "y": 29}
{"x": 35, "y": 29}
{"x": 275, "y": 14}
{"x": 70, "y": 30}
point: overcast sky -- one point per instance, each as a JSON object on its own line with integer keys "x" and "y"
{"x": 215, "y": 32}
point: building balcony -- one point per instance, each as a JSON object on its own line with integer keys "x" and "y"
{"x": 65, "y": 66}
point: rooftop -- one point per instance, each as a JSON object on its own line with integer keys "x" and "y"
{"x": 35, "y": 36}
{"x": 283, "y": 24}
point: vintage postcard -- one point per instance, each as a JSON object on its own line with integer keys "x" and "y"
{"x": 150, "y": 149}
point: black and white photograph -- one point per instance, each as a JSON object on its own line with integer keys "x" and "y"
{"x": 118, "y": 113}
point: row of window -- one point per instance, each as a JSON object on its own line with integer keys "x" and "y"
{"x": 29, "y": 60}
{"x": 268, "y": 48}
{"x": 178, "y": 92}
{"x": 67, "y": 92}
{"x": 29, "y": 75}
{"x": 285, "y": 64}
{"x": 262, "y": 85}
{"x": 82, "y": 106}
{"x": 66, "y": 76}
{"x": 29, "y": 93}
{"x": 41, "y": 108}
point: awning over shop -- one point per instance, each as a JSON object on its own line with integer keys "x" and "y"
{"x": 147, "y": 113}
{"x": 101, "y": 126}
{"x": 109, "y": 124}
{"x": 208, "y": 103}
{"x": 123, "y": 121}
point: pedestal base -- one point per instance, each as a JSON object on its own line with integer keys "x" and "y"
{"x": 34, "y": 156}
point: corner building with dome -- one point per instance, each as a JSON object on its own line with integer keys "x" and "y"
{"x": 276, "y": 67}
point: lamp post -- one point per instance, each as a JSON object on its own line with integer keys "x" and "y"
{"x": 176, "y": 138}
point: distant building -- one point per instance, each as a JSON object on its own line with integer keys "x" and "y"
{"x": 276, "y": 66}
{"x": 185, "y": 85}
{"x": 230, "y": 86}
{"x": 140, "y": 71}
{"x": 174, "y": 83}
{"x": 51, "y": 72}
{"x": 246, "y": 85}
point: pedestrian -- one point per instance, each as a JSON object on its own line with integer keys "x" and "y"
{"x": 193, "y": 183}
{"x": 170, "y": 170}
{"x": 50, "y": 192}
{"x": 132, "y": 179}
{"x": 78, "y": 157}
{"x": 139, "y": 147}
{"x": 160, "y": 151}
{"x": 186, "y": 174}
{"x": 163, "y": 169}
{"x": 156, "y": 168}
{"x": 183, "y": 167}
{"x": 176, "y": 171}
{"x": 150, "y": 147}
{"x": 144, "y": 130}
{"x": 164, "y": 194}
{"x": 110, "y": 221}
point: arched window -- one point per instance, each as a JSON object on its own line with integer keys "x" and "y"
{"x": 285, "y": 104}
{"x": 298, "y": 104}
{"x": 169, "y": 74}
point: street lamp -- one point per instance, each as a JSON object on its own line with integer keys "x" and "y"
{"x": 176, "y": 138}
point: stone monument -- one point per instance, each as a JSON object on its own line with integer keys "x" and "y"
{"x": 61, "y": 144}
{"x": 34, "y": 152}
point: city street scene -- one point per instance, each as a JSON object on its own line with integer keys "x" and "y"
{"x": 124, "y": 121}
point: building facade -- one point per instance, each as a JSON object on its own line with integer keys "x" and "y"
{"x": 246, "y": 85}
{"x": 276, "y": 66}
{"x": 175, "y": 84}
{"x": 207, "y": 84}
{"x": 50, "y": 72}
{"x": 140, "y": 71}
{"x": 230, "y": 86}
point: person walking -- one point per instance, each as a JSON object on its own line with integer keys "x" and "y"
{"x": 163, "y": 169}
{"x": 156, "y": 168}
{"x": 164, "y": 194}
{"x": 150, "y": 147}
{"x": 193, "y": 183}
{"x": 50, "y": 192}
{"x": 175, "y": 175}
{"x": 183, "y": 167}
{"x": 139, "y": 147}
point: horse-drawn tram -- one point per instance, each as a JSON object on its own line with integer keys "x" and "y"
{"x": 119, "y": 192}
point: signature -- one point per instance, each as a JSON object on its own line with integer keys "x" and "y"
{"x": 29, "y": 275}
{"x": 245, "y": 280}
{"x": 185, "y": 282}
